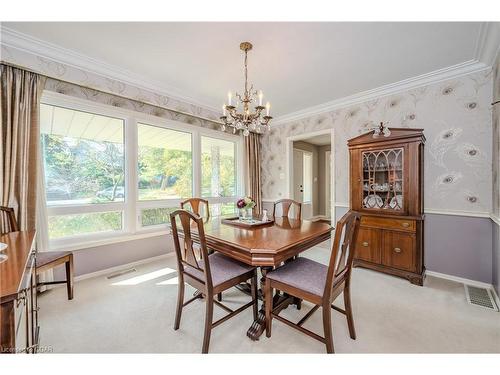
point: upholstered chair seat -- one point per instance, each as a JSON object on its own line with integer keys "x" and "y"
{"x": 45, "y": 258}
{"x": 222, "y": 269}
{"x": 304, "y": 274}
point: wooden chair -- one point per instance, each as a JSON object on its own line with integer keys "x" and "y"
{"x": 210, "y": 275}
{"x": 317, "y": 283}
{"x": 45, "y": 260}
{"x": 285, "y": 205}
{"x": 8, "y": 222}
{"x": 194, "y": 204}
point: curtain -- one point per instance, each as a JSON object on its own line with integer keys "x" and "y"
{"x": 20, "y": 93}
{"x": 252, "y": 169}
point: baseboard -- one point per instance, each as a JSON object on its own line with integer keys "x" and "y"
{"x": 107, "y": 271}
{"x": 461, "y": 280}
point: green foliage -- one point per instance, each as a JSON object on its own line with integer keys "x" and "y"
{"x": 70, "y": 225}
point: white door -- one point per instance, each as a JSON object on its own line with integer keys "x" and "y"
{"x": 302, "y": 181}
{"x": 298, "y": 175}
{"x": 328, "y": 180}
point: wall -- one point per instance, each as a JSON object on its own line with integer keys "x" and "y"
{"x": 322, "y": 182}
{"x": 496, "y": 175}
{"x": 455, "y": 116}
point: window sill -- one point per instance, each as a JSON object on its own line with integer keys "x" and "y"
{"x": 108, "y": 241}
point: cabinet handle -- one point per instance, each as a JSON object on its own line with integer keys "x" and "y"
{"x": 397, "y": 250}
{"x": 406, "y": 225}
{"x": 365, "y": 244}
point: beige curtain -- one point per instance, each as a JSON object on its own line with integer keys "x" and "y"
{"x": 20, "y": 93}
{"x": 252, "y": 169}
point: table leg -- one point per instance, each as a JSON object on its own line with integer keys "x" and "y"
{"x": 280, "y": 302}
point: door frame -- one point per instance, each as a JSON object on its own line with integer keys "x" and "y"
{"x": 289, "y": 163}
{"x": 328, "y": 172}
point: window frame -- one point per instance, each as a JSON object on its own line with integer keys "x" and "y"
{"x": 131, "y": 207}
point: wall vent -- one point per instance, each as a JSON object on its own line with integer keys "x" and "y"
{"x": 481, "y": 297}
{"x": 120, "y": 273}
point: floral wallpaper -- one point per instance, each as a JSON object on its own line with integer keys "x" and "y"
{"x": 117, "y": 101}
{"x": 496, "y": 138}
{"x": 77, "y": 82}
{"x": 456, "y": 119}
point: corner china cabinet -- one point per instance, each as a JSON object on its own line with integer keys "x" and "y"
{"x": 386, "y": 184}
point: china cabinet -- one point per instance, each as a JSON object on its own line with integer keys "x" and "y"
{"x": 386, "y": 185}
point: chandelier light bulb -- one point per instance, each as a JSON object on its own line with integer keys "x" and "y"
{"x": 261, "y": 95}
{"x": 268, "y": 107}
{"x": 229, "y": 97}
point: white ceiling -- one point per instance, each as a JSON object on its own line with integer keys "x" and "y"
{"x": 318, "y": 140}
{"x": 297, "y": 65}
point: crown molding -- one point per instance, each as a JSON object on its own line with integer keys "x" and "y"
{"x": 454, "y": 71}
{"x": 28, "y": 44}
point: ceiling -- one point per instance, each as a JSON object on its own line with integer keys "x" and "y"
{"x": 318, "y": 140}
{"x": 296, "y": 65}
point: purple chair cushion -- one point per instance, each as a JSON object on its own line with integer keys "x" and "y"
{"x": 47, "y": 257}
{"x": 302, "y": 273}
{"x": 222, "y": 269}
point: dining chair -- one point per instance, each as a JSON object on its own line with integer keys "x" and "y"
{"x": 195, "y": 204}
{"x": 285, "y": 205}
{"x": 44, "y": 260}
{"x": 8, "y": 222}
{"x": 210, "y": 275}
{"x": 318, "y": 283}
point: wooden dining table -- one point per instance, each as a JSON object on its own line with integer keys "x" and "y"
{"x": 267, "y": 246}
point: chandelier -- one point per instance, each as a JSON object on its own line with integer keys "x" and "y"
{"x": 248, "y": 119}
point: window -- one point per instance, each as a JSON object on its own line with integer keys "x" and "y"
{"x": 218, "y": 174}
{"x": 165, "y": 163}
{"x": 110, "y": 171}
{"x": 83, "y": 157}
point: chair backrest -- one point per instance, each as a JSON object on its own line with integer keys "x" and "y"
{"x": 285, "y": 205}
{"x": 8, "y": 222}
{"x": 346, "y": 233}
{"x": 196, "y": 205}
{"x": 186, "y": 256}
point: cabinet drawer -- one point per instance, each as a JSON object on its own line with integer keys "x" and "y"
{"x": 398, "y": 250}
{"x": 388, "y": 223}
{"x": 368, "y": 245}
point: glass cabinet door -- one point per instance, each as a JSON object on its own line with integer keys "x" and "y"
{"x": 383, "y": 179}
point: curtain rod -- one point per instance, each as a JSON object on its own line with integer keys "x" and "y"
{"x": 104, "y": 92}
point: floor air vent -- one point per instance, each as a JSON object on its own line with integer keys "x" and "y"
{"x": 480, "y": 297}
{"x": 120, "y": 273}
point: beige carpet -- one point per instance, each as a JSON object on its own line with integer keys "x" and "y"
{"x": 391, "y": 315}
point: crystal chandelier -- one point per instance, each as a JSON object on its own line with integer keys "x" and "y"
{"x": 248, "y": 119}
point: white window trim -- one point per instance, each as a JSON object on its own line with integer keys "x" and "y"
{"x": 131, "y": 207}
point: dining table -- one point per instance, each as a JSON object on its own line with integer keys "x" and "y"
{"x": 265, "y": 246}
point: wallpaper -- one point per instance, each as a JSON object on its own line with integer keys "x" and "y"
{"x": 496, "y": 137}
{"x": 95, "y": 82}
{"x": 456, "y": 119}
{"x": 117, "y": 101}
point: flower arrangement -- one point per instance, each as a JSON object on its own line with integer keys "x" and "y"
{"x": 245, "y": 203}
